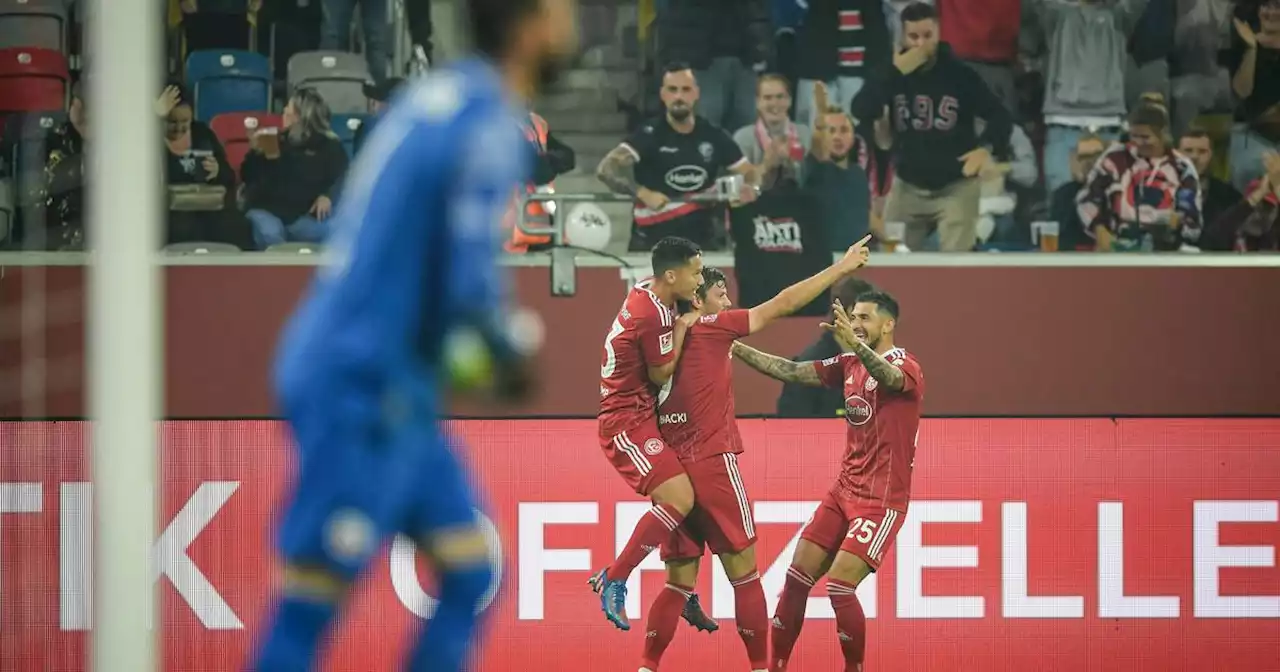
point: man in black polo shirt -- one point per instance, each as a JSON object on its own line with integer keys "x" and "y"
{"x": 671, "y": 159}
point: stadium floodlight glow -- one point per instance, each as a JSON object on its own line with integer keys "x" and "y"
{"x": 123, "y": 327}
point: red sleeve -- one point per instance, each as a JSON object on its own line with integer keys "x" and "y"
{"x": 913, "y": 379}
{"x": 733, "y": 323}
{"x": 831, "y": 371}
{"x": 657, "y": 340}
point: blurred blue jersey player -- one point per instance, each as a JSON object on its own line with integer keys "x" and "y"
{"x": 360, "y": 366}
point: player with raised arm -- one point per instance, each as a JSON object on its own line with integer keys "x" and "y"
{"x": 856, "y": 523}
{"x": 640, "y": 355}
{"x": 360, "y": 366}
{"x": 698, "y": 422}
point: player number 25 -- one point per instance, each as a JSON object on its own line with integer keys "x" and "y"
{"x": 862, "y": 529}
{"x": 610, "y": 358}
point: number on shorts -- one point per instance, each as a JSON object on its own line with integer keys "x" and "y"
{"x": 610, "y": 357}
{"x": 862, "y": 529}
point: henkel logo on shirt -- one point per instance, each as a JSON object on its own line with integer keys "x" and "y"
{"x": 687, "y": 178}
{"x": 857, "y": 410}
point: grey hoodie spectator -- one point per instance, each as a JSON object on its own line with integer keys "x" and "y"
{"x": 1198, "y": 80}
{"x": 727, "y": 42}
{"x": 1086, "y": 47}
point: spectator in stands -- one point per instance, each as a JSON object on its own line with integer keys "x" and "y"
{"x": 194, "y": 156}
{"x": 985, "y": 36}
{"x": 1198, "y": 80}
{"x": 378, "y": 93}
{"x": 217, "y": 24}
{"x": 804, "y": 401}
{"x": 838, "y": 180}
{"x": 1254, "y": 62}
{"x": 774, "y": 143}
{"x": 1216, "y": 196}
{"x": 875, "y": 155}
{"x": 936, "y": 101}
{"x": 295, "y": 25}
{"x": 1142, "y": 195}
{"x": 1253, "y": 224}
{"x": 1063, "y": 207}
{"x": 335, "y": 34}
{"x": 1086, "y": 44}
{"x": 727, "y": 43}
{"x": 674, "y": 157}
{"x": 840, "y": 42}
{"x": 290, "y": 184}
{"x": 64, "y": 182}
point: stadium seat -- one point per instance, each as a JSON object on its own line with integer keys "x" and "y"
{"x": 34, "y": 23}
{"x": 25, "y": 152}
{"x": 201, "y": 248}
{"x": 235, "y": 128}
{"x": 346, "y": 125}
{"x": 32, "y": 79}
{"x": 228, "y": 81}
{"x": 338, "y": 76}
{"x": 296, "y": 248}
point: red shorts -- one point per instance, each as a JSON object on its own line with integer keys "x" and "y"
{"x": 721, "y": 518}
{"x": 866, "y": 531}
{"x": 643, "y": 459}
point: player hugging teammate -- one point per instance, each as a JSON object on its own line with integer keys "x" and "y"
{"x": 684, "y": 454}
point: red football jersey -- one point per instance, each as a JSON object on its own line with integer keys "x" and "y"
{"x": 697, "y": 418}
{"x": 641, "y": 336}
{"x": 882, "y": 429}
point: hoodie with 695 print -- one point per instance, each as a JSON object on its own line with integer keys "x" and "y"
{"x": 934, "y": 110}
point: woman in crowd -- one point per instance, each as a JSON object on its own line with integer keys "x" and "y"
{"x": 291, "y": 179}
{"x": 194, "y": 156}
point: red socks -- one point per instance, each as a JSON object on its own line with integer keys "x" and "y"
{"x": 789, "y": 617}
{"x": 660, "y": 627}
{"x": 650, "y": 532}
{"x": 753, "y": 619}
{"x": 850, "y": 622}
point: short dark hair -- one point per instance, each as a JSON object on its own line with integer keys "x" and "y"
{"x": 493, "y": 22}
{"x": 849, "y": 288}
{"x": 918, "y": 11}
{"x": 672, "y": 252}
{"x": 710, "y": 278}
{"x": 884, "y": 302}
{"x": 676, "y": 66}
{"x": 1152, "y": 115}
{"x": 1197, "y": 133}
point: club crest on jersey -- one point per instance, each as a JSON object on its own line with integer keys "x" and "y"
{"x": 653, "y": 446}
{"x": 666, "y": 342}
{"x": 871, "y": 384}
{"x": 857, "y": 411}
{"x": 707, "y": 151}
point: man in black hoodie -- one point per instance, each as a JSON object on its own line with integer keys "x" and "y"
{"x": 934, "y": 102}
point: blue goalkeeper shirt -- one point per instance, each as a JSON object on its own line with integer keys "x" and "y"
{"x": 414, "y": 248}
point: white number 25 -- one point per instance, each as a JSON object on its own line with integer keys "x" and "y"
{"x": 861, "y": 529}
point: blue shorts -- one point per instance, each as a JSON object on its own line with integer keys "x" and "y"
{"x": 360, "y": 481}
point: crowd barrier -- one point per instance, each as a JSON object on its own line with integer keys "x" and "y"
{"x": 1055, "y": 544}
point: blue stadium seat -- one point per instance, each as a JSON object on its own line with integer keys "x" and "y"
{"x": 346, "y": 125}
{"x": 228, "y": 81}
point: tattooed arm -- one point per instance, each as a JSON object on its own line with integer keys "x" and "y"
{"x": 886, "y": 373}
{"x": 617, "y": 170}
{"x": 776, "y": 367}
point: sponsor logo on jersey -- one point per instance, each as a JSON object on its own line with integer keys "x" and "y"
{"x": 777, "y": 235}
{"x": 604, "y": 391}
{"x": 653, "y": 446}
{"x": 871, "y": 384}
{"x": 831, "y": 361}
{"x": 687, "y": 178}
{"x": 673, "y": 418}
{"x": 708, "y": 319}
{"x": 857, "y": 411}
{"x": 666, "y": 342}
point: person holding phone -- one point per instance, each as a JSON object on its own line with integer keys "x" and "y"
{"x": 194, "y": 156}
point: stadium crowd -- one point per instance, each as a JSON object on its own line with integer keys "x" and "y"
{"x": 1115, "y": 125}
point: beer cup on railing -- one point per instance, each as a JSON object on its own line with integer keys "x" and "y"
{"x": 1046, "y": 235}
{"x": 894, "y": 234}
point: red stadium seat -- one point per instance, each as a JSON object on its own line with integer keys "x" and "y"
{"x": 234, "y": 129}
{"x": 32, "y": 80}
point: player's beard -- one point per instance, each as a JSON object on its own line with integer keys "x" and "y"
{"x": 680, "y": 114}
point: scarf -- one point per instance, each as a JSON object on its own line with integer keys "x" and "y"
{"x": 793, "y": 139}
